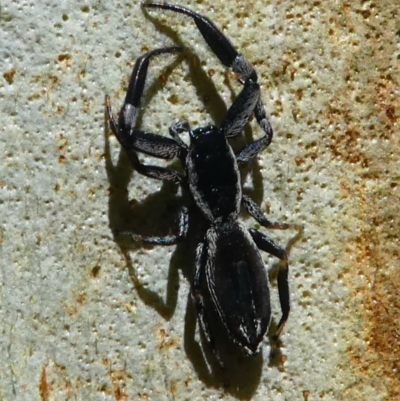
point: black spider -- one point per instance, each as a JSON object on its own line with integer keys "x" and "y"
{"x": 228, "y": 263}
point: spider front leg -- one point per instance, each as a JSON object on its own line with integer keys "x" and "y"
{"x": 133, "y": 140}
{"x": 233, "y": 123}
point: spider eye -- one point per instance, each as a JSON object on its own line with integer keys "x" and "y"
{"x": 203, "y": 132}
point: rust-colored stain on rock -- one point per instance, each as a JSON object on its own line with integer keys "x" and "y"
{"x": 366, "y": 146}
{"x": 43, "y": 387}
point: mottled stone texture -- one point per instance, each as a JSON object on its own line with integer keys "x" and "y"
{"x": 86, "y": 317}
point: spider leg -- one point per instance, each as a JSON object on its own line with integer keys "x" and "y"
{"x": 133, "y": 140}
{"x": 254, "y": 148}
{"x": 217, "y": 41}
{"x": 167, "y": 239}
{"x": 231, "y": 58}
{"x": 267, "y": 245}
{"x": 178, "y": 128}
{"x": 198, "y": 300}
{"x": 241, "y": 109}
{"x": 254, "y": 211}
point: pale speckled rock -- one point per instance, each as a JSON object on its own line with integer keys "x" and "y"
{"x": 83, "y": 320}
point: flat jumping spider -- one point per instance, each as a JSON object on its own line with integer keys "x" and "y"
{"x": 228, "y": 264}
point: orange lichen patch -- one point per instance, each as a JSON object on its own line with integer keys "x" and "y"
{"x": 173, "y": 387}
{"x": 38, "y": 238}
{"x": 36, "y": 96}
{"x": 64, "y": 59}
{"x": 380, "y": 311}
{"x": 174, "y": 99}
{"x": 9, "y": 76}
{"x": 346, "y": 146}
{"x": 387, "y": 109}
{"x": 43, "y": 386}
{"x": 384, "y": 307}
{"x": 365, "y": 115}
{"x": 162, "y": 80}
{"x": 48, "y": 83}
{"x": 366, "y": 142}
{"x": 382, "y": 301}
{"x": 375, "y": 255}
{"x": 62, "y": 142}
{"x": 119, "y": 379}
{"x": 95, "y": 271}
{"x": 2, "y": 232}
{"x": 390, "y": 114}
{"x": 80, "y": 298}
{"x": 73, "y": 308}
{"x": 164, "y": 341}
{"x": 90, "y": 193}
{"x": 51, "y": 82}
{"x": 312, "y": 151}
